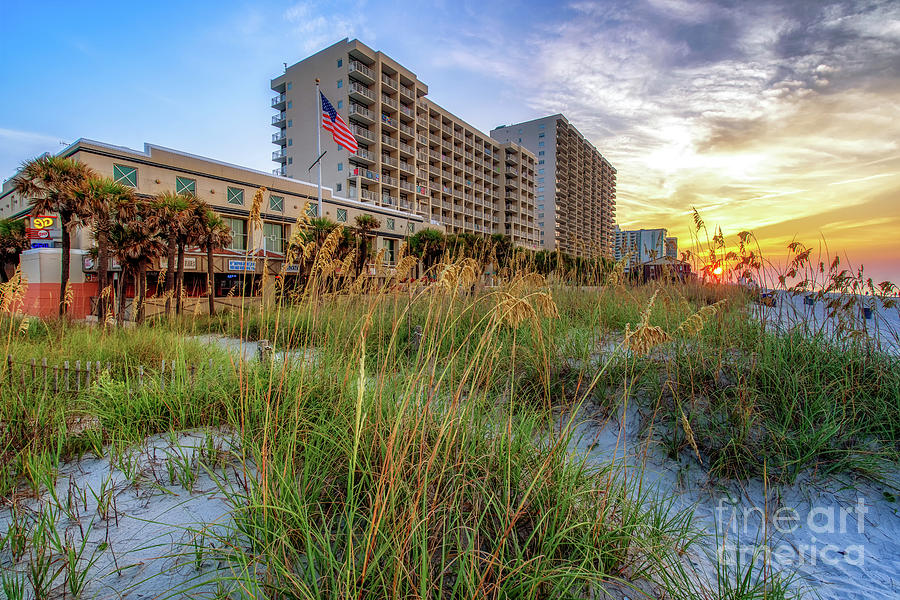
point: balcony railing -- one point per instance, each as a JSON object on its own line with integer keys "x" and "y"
{"x": 279, "y": 99}
{"x": 279, "y": 137}
{"x": 360, "y": 89}
{"x": 362, "y": 132}
{"x": 389, "y": 101}
{"x": 388, "y": 141}
{"x": 279, "y": 154}
{"x": 279, "y": 118}
{"x": 388, "y": 81}
{"x": 365, "y": 73}
{"x": 362, "y": 112}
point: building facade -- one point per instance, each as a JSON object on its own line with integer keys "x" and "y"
{"x": 640, "y": 246}
{"x": 413, "y": 154}
{"x": 575, "y": 186}
{"x": 228, "y": 189}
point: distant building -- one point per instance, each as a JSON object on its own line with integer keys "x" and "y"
{"x": 642, "y": 245}
{"x": 671, "y": 247}
{"x": 575, "y": 185}
{"x": 661, "y": 268}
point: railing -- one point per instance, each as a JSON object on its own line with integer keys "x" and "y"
{"x": 406, "y": 166}
{"x": 406, "y": 110}
{"x": 277, "y": 137}
{"x": 388, "y": 81}
{"x": 407, "y": 148}
{"x": 388, "y": 141}
{"x": 279, "y": 154}
{"x": 278, "y": 99}
{"x": 276, "y": 119}
{"x": 364, "y": 154}
{"x": 367, "y": 195}
{"x": 408, "y": 92}
{"x": 407, "y": 130}
{"x": 356, "y": 109}
{"x": 388, "y": 160}
{"x": 362, "y": 90}
{"x": 389, "y": 101}
{"x": 362, "y": 132}
{"x": 361, "y": 68}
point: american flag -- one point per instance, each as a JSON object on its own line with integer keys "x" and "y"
{"x": 333, "y": 122}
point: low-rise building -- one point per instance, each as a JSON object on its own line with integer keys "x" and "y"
{"x": 229, "y": 189}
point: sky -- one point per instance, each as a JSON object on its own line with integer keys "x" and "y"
{"x": 781, "y": 118}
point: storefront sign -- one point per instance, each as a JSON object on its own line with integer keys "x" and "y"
{"x": 190, "y": 263}
{"x": 241, "y": 265}
{"x": 292, "y": 269}
{"x": 40, "y": 245}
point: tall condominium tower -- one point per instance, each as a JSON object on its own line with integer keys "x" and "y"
{"x": 412, "y": 154}
{"x": 575, "y": 186}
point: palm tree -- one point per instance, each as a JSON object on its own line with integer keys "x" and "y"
{"x": 12, "y": 242}
{"x": 135, "y": 244}
{"x": 106, "y": 202}
{"x": 365, "y": 225}
{"x": 189, "y": 231}
{"x": 428, "y": 245}
{"x": 212, "y": 233}
{"x": 168, "y": 213}
{"x": 50, "y": 182}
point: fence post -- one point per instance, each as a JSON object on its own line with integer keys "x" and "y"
{"x": 44, "y": 369}
{"x": 33, "y": 370}
{"x": 66, "y": 367}
{"x": 172, "y": 363}
{"x": 88, "y": 375}
{"x": 78, "y": 375}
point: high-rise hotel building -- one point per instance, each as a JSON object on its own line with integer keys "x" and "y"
{"x": 413, "y": 154}
{"x": 575, "y": 186}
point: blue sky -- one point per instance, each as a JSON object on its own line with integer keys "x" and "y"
{"x": 780, "y": 117}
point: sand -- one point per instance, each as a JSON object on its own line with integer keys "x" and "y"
{"x": 839, "y": 540}
{"x": 148, "y": 530}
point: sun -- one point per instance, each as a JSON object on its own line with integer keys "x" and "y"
{"x": 717, "y": 270}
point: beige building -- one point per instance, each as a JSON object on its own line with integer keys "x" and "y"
{"x": 575, "y": 186}
{"x": 413, "y": 154}
{"x": 228, "y": 188}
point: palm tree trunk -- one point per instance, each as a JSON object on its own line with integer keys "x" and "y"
{"x": 137, "y": 306}
{"x": 102, "y": 272}
{"x": 210, "y": 280}
{"x": 170, "y": 272}
{"x": 179, "y": 279}
{"x": 64, "y": 218}
{"x": 143, "y": 292}
{"x": 120, "y": 318}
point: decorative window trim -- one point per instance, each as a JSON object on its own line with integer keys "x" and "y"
{"x": 341, "y": 215}
{"x": 235, "y": 196}
{"x": 125, "y": 175}
{"x": 312, "y": 210}
{"x": 276, "y": 203}
{"x": 185, "y": 185}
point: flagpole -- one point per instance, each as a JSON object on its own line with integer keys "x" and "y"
{"x": 318, "y": 123}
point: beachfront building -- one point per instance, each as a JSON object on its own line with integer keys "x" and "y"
{"x": 640, "y": 246}
{"x": 575, "y": 186}
{"x": 229, "y": 189}
{"x": 413, "y": 154}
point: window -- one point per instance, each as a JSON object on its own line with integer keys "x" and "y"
{"x": 235, "y": 196}
{"x": 290, "y": 142}
{"x": 540, "y": 153}
{"x": 541, "y": 135}
{"x": 340, "y": 63}
{"x": 342, "y": 215}
{"x": 540, "y": 215}
{"x": 238, "y": 233}
{"x": 540, "y": 188}
{"x": 541, "y": 224}
{"x": 540, "y": 198}
{"x": 540, "y": 180}
{"x": 289, "y": 104}
{"x": 185, "y": 186}
{"x": 520, "y": 131}
{"x": 540, "y": 171}
{"x": 290, "y": 160}
{"x": 340, "y": 83}
{"x": 312, "y": 210}
{"x": 340, "y": 166}
{"x": 540, "y": 143}
{"x": 390, "y": 224}
{"x": 389, "y": 246}
{"x": 412, "y": 227}
{"x": 337, "y": 187}
{"x": 340, "y": 104}
{"x": 540, "y": 207}
{"x": 276, "y": 203}
{"x": 290, "y": 123}
{"x": 540, "y": 162}
{"x": 289, "y": 85}
{"x": 541, "y": 127}
{"x": 125, "y": 175}
{"x": 274, "y": 237}
{"x": 519, "y": 140}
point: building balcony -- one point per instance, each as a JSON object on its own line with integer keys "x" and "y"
{"x": 385, "y": 159}
{"x": 408, "y": 92}
{"x": 279, "y": 119}
{"x": 388, "y": 82}
{"x": 361, "y": 93}
{"x": 279, "y": 101}
{"x": 361, "y": 114}
{"x": 364, "y": 156}
{"x": 387, "y": 100}
{"x": 280, "y": 138}
{"x": 407, "y": 111}
{"x": 406, "y": 149}
{"x": 280, "y": 155}
{"x": 361, "y": 72}
{"x": 362, "y": 133}
{"x": 282, "y": 171}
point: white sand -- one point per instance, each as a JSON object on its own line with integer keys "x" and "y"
{"x": 828, "y": 549}
{"x": 145, "y": 545}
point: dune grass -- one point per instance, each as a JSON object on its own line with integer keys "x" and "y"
{"x": 410, "y": 449}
